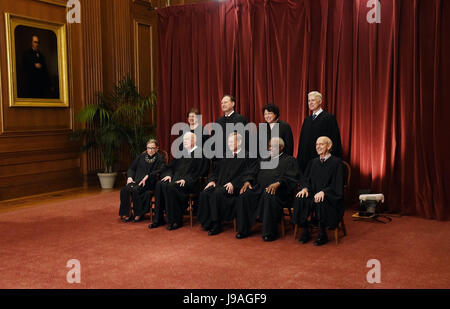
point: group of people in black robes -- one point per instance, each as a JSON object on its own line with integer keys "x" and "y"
{"x": 238, "y": 186}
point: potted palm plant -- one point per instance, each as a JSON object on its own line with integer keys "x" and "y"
{"x": 131, "y": 114}
{"x": 116, "y": 118}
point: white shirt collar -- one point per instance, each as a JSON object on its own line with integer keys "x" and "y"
{"x": 326, "y": 157}
{"x": 237, "y": 152}
{"x": 318, "y": 112}
{"x": 277, "y": 156}
{"x": 230, "y": 114}
{"x": 190, "y": 151}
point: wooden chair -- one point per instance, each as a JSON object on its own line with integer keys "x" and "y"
{"x": 341, "y": 224}
{"x": 192, "y": 198}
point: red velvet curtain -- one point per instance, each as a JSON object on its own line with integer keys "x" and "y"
{"x": 387, "y": 83}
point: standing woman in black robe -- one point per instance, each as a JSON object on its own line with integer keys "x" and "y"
{"x": 271, "y": 114}
{"x": 322, "y": 193}
{"x": 195, "y": 125}
{"x": 141, "y": 177}
{"x": 320, "y": 123}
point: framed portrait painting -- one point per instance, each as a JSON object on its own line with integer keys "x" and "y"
{"x": 37, "y": 62}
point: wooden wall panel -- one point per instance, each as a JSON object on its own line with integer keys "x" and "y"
{"x": 93, "y": 66}
{"x": 115, "y": 38}
{"x": 36, "y": 155}
{"x": 143, "y": 57}
{"x": 48, "y": 182}
{"x": 26, "y": 119}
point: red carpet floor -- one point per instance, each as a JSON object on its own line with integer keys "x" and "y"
{"x": 37, "y": 242}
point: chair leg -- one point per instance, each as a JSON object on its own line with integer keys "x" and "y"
{"x": 152, "y": 204}
{"x": 190, "y": 210}
{"x": 295, "y": 231}
{"x": 343, "y": 227}
{"x": 336, "y": 235}
{"x": 283, "y": 231}
{"x": 234, "y": 225}
{"x": 151, "y": 210}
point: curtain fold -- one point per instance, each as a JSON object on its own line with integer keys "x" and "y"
{"x": 387, "y": 84}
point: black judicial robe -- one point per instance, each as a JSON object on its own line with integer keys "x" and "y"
{"x": 324, "y": 125}
{"x": 285, "y": 132}
{"x": 258, "y": 203}
{"x": 215, "y": 204}
{"x": 143, "y": 165}
{"x": 173, "y": 198}
{"x": 200, "y": 137}
{"x": 329, "y": 178}
{"x": 233, "y": 118}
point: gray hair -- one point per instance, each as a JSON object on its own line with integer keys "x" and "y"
{"x": 316, "y": 94}
{"x": 190, "y": 134}
{"x": 278, "y": 140}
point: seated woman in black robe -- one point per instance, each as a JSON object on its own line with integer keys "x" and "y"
{"x": 217, "y": 200}
{"x": 322, "y": 193}
{"x": 178, "y": 180}
{"x": 142, "y": 176}
{"x": 265, "y": 193}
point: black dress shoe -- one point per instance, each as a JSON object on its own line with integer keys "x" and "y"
{"x": 269, "y": 238}
{"x": 241, "y": 235}
{"x": 322, "y": 240}
{"x": 128, "y": 219}
{"x": 304, "y": 238}
{"x": 138, "y": 220}
{"x": 154, "y": 225}
{"x": 214, "y": 232}
{"x": 174, "y": 226}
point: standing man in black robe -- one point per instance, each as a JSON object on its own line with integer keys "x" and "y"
{"x": 178, "y": 180}
{"x": 322, "y": 193}
{"x": 217, "y": 200}
{"x": 271, "y": 114}
{"x": 320, "y": 123}
{"x": 265, "y": 194}
{"x": 228, "y": 104}
{"x": 142, "y": 177}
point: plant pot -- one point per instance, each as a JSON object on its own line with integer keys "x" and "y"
{"x": 107, "y": 180}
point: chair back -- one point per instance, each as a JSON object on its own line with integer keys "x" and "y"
{"x": 347, "y": 173}
{"x": 165, "y": 155}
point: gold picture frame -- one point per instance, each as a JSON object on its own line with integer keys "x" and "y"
{"x": 34, "y": 81}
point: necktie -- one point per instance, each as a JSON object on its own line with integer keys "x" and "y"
{"x": 314, "y": 116}
{"x": 322, "y": 160}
